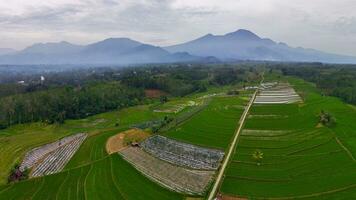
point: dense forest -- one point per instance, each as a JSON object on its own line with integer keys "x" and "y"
{"x": 56, "y": 96}
{"x": 333, "y": 80}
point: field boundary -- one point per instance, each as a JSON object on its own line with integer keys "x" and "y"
{"x": 314, "y": 194}
{"x": 347, "y": 150}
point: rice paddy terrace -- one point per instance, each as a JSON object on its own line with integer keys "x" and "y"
{"x": 284, "y": 153}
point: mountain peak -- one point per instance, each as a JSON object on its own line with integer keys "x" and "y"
{"x": 118, "y": 39}
{"x": 243, "y": 34}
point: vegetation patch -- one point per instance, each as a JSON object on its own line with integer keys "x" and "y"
{"x": 17, "y": 174}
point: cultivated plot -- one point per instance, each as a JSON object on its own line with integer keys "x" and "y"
{"x": 183, "y": 154}
{"x": 51, "y": 158}
{"x": 180, "y": 179}
{"x": 276, "y": 93}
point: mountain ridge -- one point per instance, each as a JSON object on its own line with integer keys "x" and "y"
{"x": 246, "y": 45}
{"x": 238, "y": 45}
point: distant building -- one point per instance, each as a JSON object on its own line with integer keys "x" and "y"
{"x": 251, "y": 87}
{"x": 42, "y": 79}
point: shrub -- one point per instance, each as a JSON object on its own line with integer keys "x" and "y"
{"x": 17, "y": 175}
{"x": 326, "y": 119}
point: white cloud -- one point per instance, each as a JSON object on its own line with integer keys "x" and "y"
{"x": 328, "y": 25}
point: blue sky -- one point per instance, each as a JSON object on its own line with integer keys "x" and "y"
{"x": 328, "y": 25}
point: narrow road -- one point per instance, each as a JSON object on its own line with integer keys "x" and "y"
{"x": 231, "y": 148}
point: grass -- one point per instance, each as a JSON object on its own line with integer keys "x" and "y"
{"x": 300, "y": 160}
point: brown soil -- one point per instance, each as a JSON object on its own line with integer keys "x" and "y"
{"x": 121, "y": 140}
{"x": 153, "y": 93}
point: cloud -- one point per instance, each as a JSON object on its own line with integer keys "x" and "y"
{"x": 317, "y": 24}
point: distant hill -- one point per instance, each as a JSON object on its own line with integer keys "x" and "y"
{"x": 109, "y": 51}
{"x": 245, "y": 45}
{"x": 61, "y": 48}
{"x": 5, "y": 51}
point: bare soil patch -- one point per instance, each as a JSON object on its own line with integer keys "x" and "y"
{"x": 154, "y": 93}
{"x": 121, "y": 140}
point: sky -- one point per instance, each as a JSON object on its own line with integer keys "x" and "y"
{"x": 328, "y": 25}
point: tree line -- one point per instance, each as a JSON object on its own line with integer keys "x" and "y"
{"x": 333, "y": 80}
{"x": 81, "y": 93}
{"x": 56, "y": 105}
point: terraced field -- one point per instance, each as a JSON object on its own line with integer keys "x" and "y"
{"x": 282, "y": 153}
{"x": 214, "y": 126}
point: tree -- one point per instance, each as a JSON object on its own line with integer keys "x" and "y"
{"x": 257, "y": 156}
{"x": 326, "y": 119}
{"x": 163, "y": 99}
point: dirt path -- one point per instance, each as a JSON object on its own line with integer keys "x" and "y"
{"x": 231, "y": 149}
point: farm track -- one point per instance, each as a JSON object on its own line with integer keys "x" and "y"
{"x": 231, "y": 149}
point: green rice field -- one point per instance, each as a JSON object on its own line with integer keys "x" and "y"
{"x": 214, "y": 126}
{"x": 107, "y": 178}
{"x": 301, "y": 159}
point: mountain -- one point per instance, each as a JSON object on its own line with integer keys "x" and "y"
{"x": 60, "y": 48}
{"x": 6, "y": 51}
{"x": 109, "y": 51}
{"x": 245, "y": 45}
{"x": 239, "y": 45}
